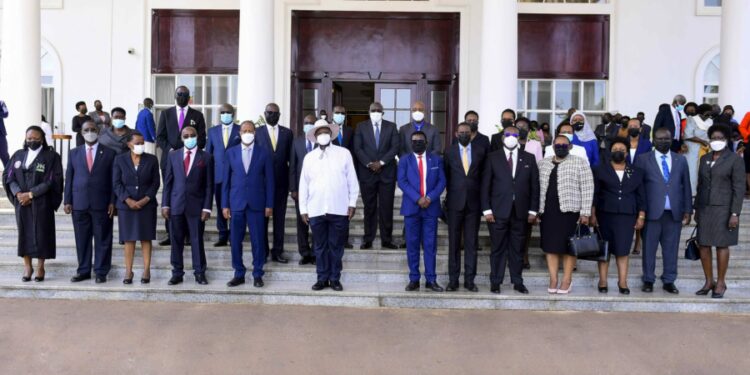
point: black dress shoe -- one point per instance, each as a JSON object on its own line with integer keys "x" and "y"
{"x": 201, "y": 279}
{"x": 527, "y": 266}
{"x": 603, "y": 289}
{"x": 412, "y": 286}
{"x": 348, "y": 245}
{"x": 258, "y": 282}
{"x": 471, "y": 287}
{"x": 625, "y": 291}
{"x": 306, "y": 260}
{"x": 175, "y": 280}
{"x": 220, "y": 243}
{"x": 79, "y": 277}
{"x": 165, "y": 242}
{"x": 452, "y": 287}
{"x": 670, "y": 288}
{"x": 435, "y": 287}
{"x": 389, "y": 245}
{"x": 320, "y": 285}
{"x": 366, "y": 246}
{"x": 101, "y": 279}
{"x": 647, "y": 287}
{"x": 336, "y": 285}
{"x": 495, "y": 288}
{"x": 236, "y": 281}
{"x": 279, "y": 259}
{"x": 520, "y": 288}
{"x": 403, "y": 245}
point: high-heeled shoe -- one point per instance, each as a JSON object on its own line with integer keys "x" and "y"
{"x": 704, "y": 291}
{"x": 26, "y": 279}
{"x": 718, "y": 295}
{"x": 552, "y": 290}
{"x": 145, "y": 280}
{"x": 603, "y": 289}
{"x": 625, "y": 291}
{"x": 39, "y": 278}
{"x": 565, "y": 291}
{"x": 128, "y": 280}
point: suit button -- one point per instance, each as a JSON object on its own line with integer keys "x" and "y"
{"x": 619, "y": 198}
{"x": 136, "y": 188}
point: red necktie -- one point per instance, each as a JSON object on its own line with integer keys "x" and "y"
{"x": 90, "y": 158}
{"x": 186, "y": 162}
{"x": 421, "y": 176}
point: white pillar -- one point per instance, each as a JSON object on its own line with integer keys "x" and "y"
{"x": 20, "y": 87}
{"x": 734, "y": 81}
{"x": 499, "y": 62}
{"x": 255, "y": 66}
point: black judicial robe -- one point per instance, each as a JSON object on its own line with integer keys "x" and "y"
{"x": 36, "y": 222}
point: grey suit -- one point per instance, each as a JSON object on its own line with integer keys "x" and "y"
{"x": 434, "y": 140}
{"x": 721, "y": 189}
{"x": 663, "y": 226}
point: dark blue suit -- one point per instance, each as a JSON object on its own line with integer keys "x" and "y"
{"x": 90, "y": 194}
{"x": 663, "y": 226}
{"x": 215, "y": 147}
{"x": 247, "y": 195}
{"x": 421, "y": 223}
{"x": 4, "y": 157}
{"x": 281, "y": 172}
{"x": 187, "y": 196}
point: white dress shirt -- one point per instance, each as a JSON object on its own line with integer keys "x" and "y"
{"x": 327, "y": 177}
{"x": 31, "y": 156}
{"x": 424, "y": 170}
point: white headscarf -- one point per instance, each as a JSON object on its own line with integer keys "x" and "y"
{"x": 585, "y": 134}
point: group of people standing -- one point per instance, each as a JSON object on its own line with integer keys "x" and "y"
{"x": 583, "y": 178}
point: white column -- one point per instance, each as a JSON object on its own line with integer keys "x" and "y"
{"x": 20, "y": 87}
{"x": 734, "y": 81}
{"x": 499, "y": 54}
{"x": 255, "y": 67}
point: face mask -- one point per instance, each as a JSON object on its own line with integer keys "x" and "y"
{"x": 578, "y": 126}
{"x": 510, "y": 142}
{"x": 634, "y": 132}
{"x": 718, "y": 145}
{"x": 190, "y": 143}
{"x": 417, "y": 116}
{"x": 82, "y": 110}
{"x": 34, "y": 145}
{"x": 506, "y": 123}
{"x": 118, "y": 123}
{"x": 339, "y": 118}
{"x": 680, "y": 107}
{"x": 226, "y": 118}
{"x": 618, "y": 156}
{"x": 138, "y": 149}
{"x": 464, "y": 139}
{"x": 376, "y": 117}
{"x": 474, "y": 126}
{"x": 272, "y": 118}
{"x": 182, "y": 101}
{"x": 569, "y": 136}
{"x": 523, "y": 133}
{"x": 323, "y": 139}
{"x": 323, "y": 117}
{"x": 662, "y": 146}
{"x": 90, "y": 137}
{"x": 306, "y": 128}
{"x": 247, "y": 138}
{"x": 561, "y": 151}
{"x": 419, "y": 146}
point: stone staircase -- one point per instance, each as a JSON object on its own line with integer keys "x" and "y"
{"x": 371, "y": 278}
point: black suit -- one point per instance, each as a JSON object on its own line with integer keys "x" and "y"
{"x": 377, "y": 188}
{"x": 299, "y": 150}
{"x": 496, "y": 142}
{"x": 463, "y": 209}
{"x": 510, "y": 199}
{"x": 347, "y": 142}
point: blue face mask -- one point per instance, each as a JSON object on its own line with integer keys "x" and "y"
{"x": 569, "y": 136}
{"x": 339, "y": 118}
{"x": 118, "y": 123}
{"x": 307, "y": 127}
{"x": 680, "y": 107}
{"x": 191, "y": 142}
{"x": 226, "y": 118}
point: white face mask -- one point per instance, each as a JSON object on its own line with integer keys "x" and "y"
{"x": 323, "y": 117}
{"x": 247, "y": 138}
{"x": 418, "y": 116}
{"x": 510, "y": 142}
{"x": 90, "y": 137}
{"x": 323, "y": 139}
{"x": 376, "y": 117}
{"x": 138, "y": 149}
{"x": 718, "y": 145}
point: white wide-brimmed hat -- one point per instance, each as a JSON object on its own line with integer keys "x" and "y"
{"x": 322, "y": 124}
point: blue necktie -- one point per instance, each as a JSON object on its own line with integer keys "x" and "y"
{"x": 341, "y": 137}
{"x": 377, "y": 136}
{"x": 309, "y": 146}
{"x": 665, "y": 168}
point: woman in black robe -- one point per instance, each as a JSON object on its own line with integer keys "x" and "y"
{"x": 34, "y": 184}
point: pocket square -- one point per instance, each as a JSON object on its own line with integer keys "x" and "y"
{"x": 434, "y": 168}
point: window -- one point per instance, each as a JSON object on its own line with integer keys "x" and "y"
{"x": 708, "y": 7}
{"x": 549, "y": 100}
{"x": 208, "y": 93}
{"x": 711, "y": 81}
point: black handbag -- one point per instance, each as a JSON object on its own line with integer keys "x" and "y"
{"x": 603, "y": 254}
{"x": 691, "y": 246}
{"x": 584, "y": 245}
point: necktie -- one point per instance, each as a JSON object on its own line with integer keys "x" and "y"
{"x": 377, "y": 136}
{"x": 182, "y": 117}
{"x": 309, "y": 146}
{"x": 226, "y": 136}
{"x": 186, "y": 162}
{"x": 421, "y": 177}
{"x": 465, "y": 160}
{"x": 510, "y": 163}
{"x": 341, "y": 137}
{"x": 246, "y": 159}
{"x": 665, "y": 168}
{"x": 90, "y": 158}
{"x": 272, "y": 133}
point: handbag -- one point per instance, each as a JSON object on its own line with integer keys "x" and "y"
{"x": 584, "y": 245}
{"x": 691, "y": 246}
{"x": 603, "y": 254}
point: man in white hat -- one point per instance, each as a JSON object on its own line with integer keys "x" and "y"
{"x": 327, "y": 175}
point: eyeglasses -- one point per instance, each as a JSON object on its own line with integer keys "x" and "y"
{"x": 511, "y": 135}
{"x": 183, "y": 94}
{"x": 225, "y": 112}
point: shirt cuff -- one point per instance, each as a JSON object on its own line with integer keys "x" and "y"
{"x": 382, "y": 162}
{"x": 533, "y": 213}
{"x": 205, "y": 210}
{"x": 162, "y": 207}
{"x": 487, "y": 212}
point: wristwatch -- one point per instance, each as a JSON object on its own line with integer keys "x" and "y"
{"x": 734, "y": 214}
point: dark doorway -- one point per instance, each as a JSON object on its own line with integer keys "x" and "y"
{"x": 360, "y": 57}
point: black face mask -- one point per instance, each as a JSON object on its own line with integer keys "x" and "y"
{"x": 272, "y": 118}
{"x": 523, "y": 133}
{"x": 618, "y": 156}
{"x": 634, "y": 132}
{"x": 182, "y": 100}
{"x": 506, "y": 123}
{"x": 419, "y": 146}
{"x": 474, "y": 126}
{"x": 578, "y": 126}
{"x": 561, "y": 152}
{"x": 545, "y": 129}
{"x": 33, "y": 145}
{"x": 464, "y": 139}
{"x": 662, "y": 146}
